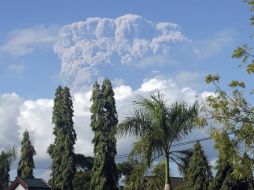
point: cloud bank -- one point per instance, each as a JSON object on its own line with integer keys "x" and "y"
{"x": 84, "y": 45}
{"x": 24, "y": 41}
{"x": 18, "y": 115}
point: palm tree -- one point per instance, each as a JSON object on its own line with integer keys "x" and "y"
{"x": 139, "y": 179}
{"x": 157, "y": 126}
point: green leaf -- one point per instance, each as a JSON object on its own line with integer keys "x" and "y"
{"x": 212, "y": 78}
{"x": 251, "y": 3}
{"x": 250, "y": 68}
{"x": 236, "y": 83}
{"x": 238, "y": 52}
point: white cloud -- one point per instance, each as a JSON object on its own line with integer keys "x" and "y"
{"x": 122, "y": 92}
{"x": 171, "y": 90}
{"x": 9, "y": 111}
{"x": 24, "y": 41}
{"x": 82, "y": 103}
{"x": 129, "y": 39}
{"x": 154, "y": 84}
{"x": 35, "y": 116}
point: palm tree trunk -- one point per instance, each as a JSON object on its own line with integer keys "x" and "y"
{"x": 167, "y": 180}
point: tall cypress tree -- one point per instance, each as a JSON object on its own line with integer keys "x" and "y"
{"x": 26, "y": 163}
{"x": 6, "y": 158}
{"x": 54, "y": 150}
{"x": 199, "y": 172}
{"x": 4, "y": 170}
{"x": 103, "y": 123}
{"x": 62, "y": 151}
{"x": 111, "y": 121}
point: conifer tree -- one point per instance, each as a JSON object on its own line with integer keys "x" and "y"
{"x": 199, "y": 173}
{"x": 26, "y": 163}
{"x": 62, "y": 151}
{"x": 103, "y": 123}
{"x": 6, "y": 158}
{"x": 225, "y": 176}
{"x": 223, "y": 179}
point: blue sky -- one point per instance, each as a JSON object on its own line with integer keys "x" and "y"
{"x": 44, "y": 44}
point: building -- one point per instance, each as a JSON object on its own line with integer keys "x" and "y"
{"x": 28, "y": 184}
{"x": 176, "y": 182}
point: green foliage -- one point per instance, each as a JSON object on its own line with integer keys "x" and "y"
{"x": 156, "y": 180}
{"x": 244, "y": 53}
{"x": 136, "y": 179}
{"x": 235, "y": 84}
{"x": 229, "y": 164}
{"x": 182, "y": 159}
{"x": 26, "y": 163}
{"x": 156, "y": 126}
{"x": 125, "y": 169}
{"x": 227, "y": 148}
{"x": 62, "y": 151}
{"x": 82, "y": 180}
{"x": 199, "y": 172}
{"x": 6, "y": 158}
{"x": 83, "y": 163}
{"x": 82, "y": 177}
{"x": 212, "y": 78}
{"x": 236, "y": 116}
{"x": 103, "y": 123}
{"x": 223, "y": 179}
{"x": 235, "y": 113}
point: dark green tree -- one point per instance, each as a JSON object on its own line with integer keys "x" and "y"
{"x": 199, "y": 172}
{"x": 83, "y": 163}
{"x": 136, "y": 179}
{"x": 26, "y": 163}
{"x": 156, "y": 180}
{"x": 6, "y": 158}
{"x": 156, "y": 126}
{"x": 84, "y": 167}
{"x": 125, "y": 169}
{"x": 103, "y": 123}
{"x": 82, "y": 180}
{"x": 224, "y": 178}
{"x": 62, "y": 151}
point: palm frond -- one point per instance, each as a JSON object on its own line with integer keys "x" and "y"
{"x": 134, "y": 125}
{"x": 181, "y": 119}
{"x": 146, "y": 150}
{"x": 181, "y": 158}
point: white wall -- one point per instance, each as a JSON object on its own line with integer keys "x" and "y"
{"x": 20, "y": 188}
